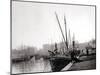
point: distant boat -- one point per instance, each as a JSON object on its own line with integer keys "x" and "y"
{"x": 21, "y": 59}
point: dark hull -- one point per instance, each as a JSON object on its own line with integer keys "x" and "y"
{"x": 57, "y": 64}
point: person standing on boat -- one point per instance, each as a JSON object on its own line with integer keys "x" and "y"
{"x": 74, "y": 56}
{"x": 87, "y": 49}
{"x": 56, "y": 49}
{"x": 74, "y": 53}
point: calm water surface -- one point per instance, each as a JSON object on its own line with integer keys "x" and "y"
{"x": 34, "y": 65}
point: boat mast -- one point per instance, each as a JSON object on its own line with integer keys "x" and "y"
{"x": 60, "y": 27}
{"x": 73, "y": 43}
{"x": 69, "y": 37}
{"x": 66, "y": 32}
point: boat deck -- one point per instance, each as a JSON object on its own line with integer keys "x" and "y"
{"x": 87, "y": 63}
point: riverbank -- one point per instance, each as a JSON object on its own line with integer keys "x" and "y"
{"x": 88, "y": 63}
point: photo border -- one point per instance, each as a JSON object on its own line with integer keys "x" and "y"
{"x": 48, "y": 3}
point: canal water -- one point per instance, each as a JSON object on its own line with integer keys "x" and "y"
{"x": 32, "y": 66}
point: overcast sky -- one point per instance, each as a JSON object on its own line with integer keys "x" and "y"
{"x": 35, "y": 24}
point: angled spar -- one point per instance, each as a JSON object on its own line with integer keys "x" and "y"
{"x": 61, "y": 30}
{"x": 66, "y": 32}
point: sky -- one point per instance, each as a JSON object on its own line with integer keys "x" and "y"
{"x": 35, "y": 24}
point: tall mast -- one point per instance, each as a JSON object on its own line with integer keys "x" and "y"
{"x": 69, "y": 38}
{"x": 66, "y": 31}
{"x": 60, "y": 28}
{"x": 73, "y": 43}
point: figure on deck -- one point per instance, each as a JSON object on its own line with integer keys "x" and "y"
{"x": 53, "y": 53}
{"x": 74, "y": 53}
{"x": 56, "y": 49}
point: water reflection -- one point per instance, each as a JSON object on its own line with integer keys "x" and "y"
{"x": 34, "y": 65}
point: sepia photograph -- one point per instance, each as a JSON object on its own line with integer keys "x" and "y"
{"x": 52, "y": 37}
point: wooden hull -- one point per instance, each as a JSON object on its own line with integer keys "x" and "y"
{"x": 58, "y": 63}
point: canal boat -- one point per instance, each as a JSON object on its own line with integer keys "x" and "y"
{"x": 59, "y": 61}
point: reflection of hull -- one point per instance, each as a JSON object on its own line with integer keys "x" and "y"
{"x": 57, "y": 63}
{"x": 21, "y": 59}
